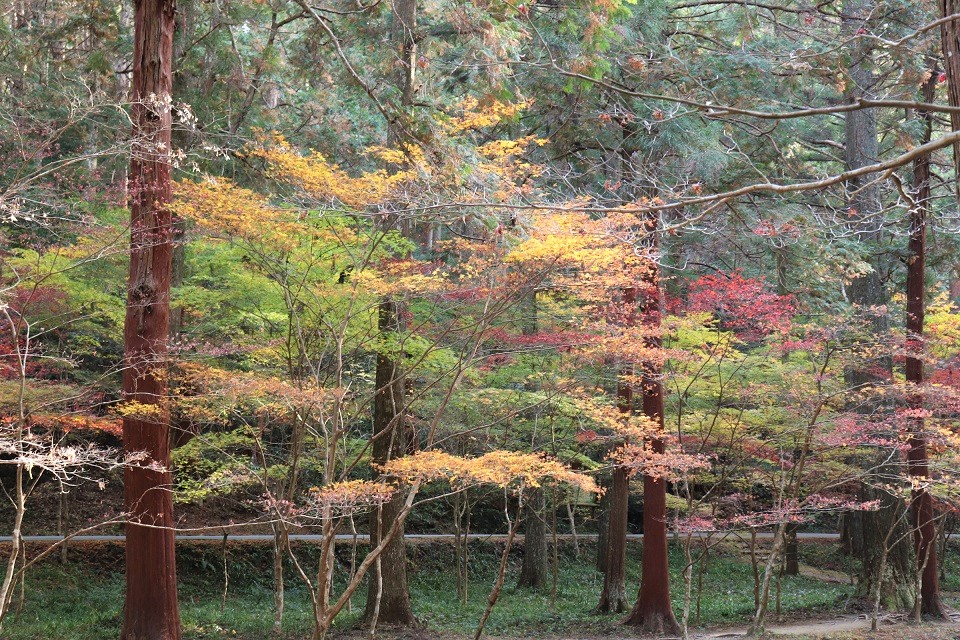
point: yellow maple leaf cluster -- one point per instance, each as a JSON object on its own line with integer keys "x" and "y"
{"x": 325, "y": 181}
{"x": 475, "y": 115}
{"x": 507, "y": 469}
{"x": 222, "y": 208}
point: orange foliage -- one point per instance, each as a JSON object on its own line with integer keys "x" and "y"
{"x": 78, "y": 422}
{"x": 351, "y": 493}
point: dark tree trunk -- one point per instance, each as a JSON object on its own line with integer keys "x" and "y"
{"x": 867, "y": 294}
{"x": 150, "y": 609}
{"x": 921, "y": 505}
{"x": 389, "y": 442}
{"x": 390, "y": 435}
{"x": 613, "y": 599}
{"x": 851, "y": 533}
{"x": 897, "y": 575}
{"x": 603, "y": 527}
{"x": 791, "y": 552}
{"x": 950, "y": 39}
{"x": 653, "y": 611}
{"x": 533, "y": 571}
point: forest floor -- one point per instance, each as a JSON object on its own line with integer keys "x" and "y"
{"x": 82, "y": 599}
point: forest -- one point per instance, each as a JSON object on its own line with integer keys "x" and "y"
{"x": 479, "y": 319}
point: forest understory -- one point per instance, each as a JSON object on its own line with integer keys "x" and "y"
{"x": 81, "y": 600}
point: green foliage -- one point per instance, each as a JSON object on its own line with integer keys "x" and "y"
{"x": 93, "y": 612}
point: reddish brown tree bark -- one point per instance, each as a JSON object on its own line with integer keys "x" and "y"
{"x": 921, "y": 505}
{"x": 653, "y": 611}
{"x": 150, "y": 610}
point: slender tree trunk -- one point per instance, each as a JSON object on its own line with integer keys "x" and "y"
{"x": 150, "y": 610}
{"x": 653, "y": 611}
{"x": 572, "y": 519}
{"x": 533, "y": 570}
{"x": 280, "y": 543}
{"x": 498, "y": 583}
{"x": 16, "y": 545}
{"x": 757, "y": 625}
{"x": 921, "y": 505}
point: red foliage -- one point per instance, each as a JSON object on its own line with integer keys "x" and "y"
{"x": 742, "y": 305}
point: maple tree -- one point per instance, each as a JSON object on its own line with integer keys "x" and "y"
{"x": 663, "y": 243}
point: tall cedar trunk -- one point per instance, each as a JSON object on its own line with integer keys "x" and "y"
{"x": 603, "y": 526}
{"x": 150, "y": 610}
{"x": 950, "y": 39}
{"x": 533, "y": 571}
{"x": 867, "y": 293}
{"x": 791, "y": 552}
{"x": 613, "y": 598}
{"x": 389, "y": 442}
{"x": 921, "y": 505}
{"x": 182, "y": 79}
{"x": 851, "y": 533}
{"x": 653, "y": 612}
{"x": 389, "y": 432}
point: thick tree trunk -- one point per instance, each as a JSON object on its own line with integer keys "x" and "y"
{"x": 950, "y": 39}
{"x": 533, "y": 571}
{"x": 851, "y": 533}
{"x": 653, "y": 611}
{"x": 389, "y": 442}
{"x": 896, "y": 574}
{"x": 791, "y": 552}
{"x": 150, "y": 609}
{"x": 603, "y": 527}
{"x": 613, "y": 599}
{"x": 867, "y": 294}
{"x": 391, "y": 604}
{"x": 923, "y": 515}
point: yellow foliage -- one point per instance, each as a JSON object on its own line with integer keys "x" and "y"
{"x": 942, "y": 323}
{"x": 323, "y": 180}
{"x": 141, "y": 411}
{"x": 220, "y": 207}
{"x": 477, "y": 116}
{"x": 499, "y": 468}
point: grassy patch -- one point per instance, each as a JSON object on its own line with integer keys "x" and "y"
{"x": 82, "y": 600}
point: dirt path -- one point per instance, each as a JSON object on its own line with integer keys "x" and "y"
{"x": 813, "y": 628}
{"x": 843, "y": 624}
